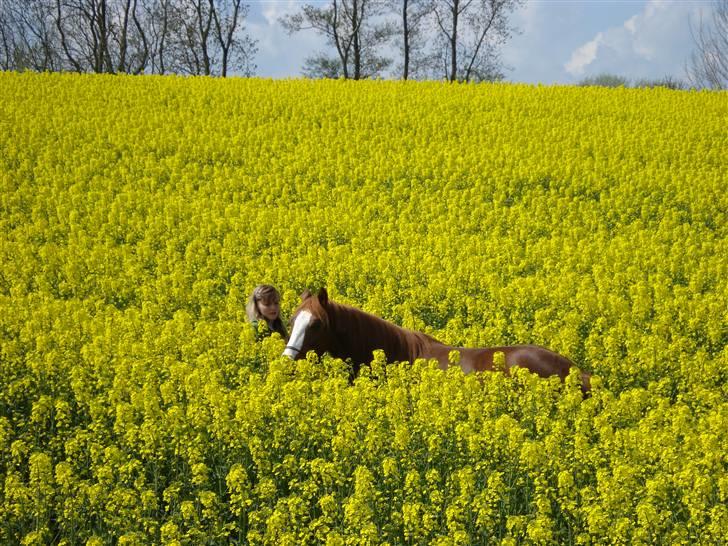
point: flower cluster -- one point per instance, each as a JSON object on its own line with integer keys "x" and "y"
{"x": 137, "y": 407}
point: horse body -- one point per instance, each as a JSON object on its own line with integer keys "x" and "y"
{"x": 349, "y": 333}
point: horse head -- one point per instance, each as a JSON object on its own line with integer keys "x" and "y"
{"x": 310, "y": 326}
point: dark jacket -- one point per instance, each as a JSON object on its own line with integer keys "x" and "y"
{"x": 268, "y": 328}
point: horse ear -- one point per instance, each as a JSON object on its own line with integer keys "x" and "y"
{"x": 306, "y": 294}
{"x": 323, "y": 296}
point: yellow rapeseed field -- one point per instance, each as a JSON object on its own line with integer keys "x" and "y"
{"x": 137, "y": 407}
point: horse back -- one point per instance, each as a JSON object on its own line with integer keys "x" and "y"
{"x": 537, "y": 359}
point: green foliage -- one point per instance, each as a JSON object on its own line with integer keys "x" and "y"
{"x": 668, "y": 82}
{"x": 613, "y": 80}
{"x": 604, "y": 80}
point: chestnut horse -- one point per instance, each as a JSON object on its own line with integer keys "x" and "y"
{"x": 322, "y": 325}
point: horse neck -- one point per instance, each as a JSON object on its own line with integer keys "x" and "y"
{"x": 357, "y": 334}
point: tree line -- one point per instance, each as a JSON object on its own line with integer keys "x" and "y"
{"x": 454, "y": 40}
{"x": 200, "y": 37}
{"x": 451, "y": 39}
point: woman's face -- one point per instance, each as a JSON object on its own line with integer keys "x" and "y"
{"x": 269, "y": 308}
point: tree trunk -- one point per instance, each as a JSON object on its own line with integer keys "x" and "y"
{"x": 493, "y": 14}
{"x": 405, "y": 26}
{"x": 123, "y": 41}
{"x": 343, "y": 52}
{"x": 145, "y": 53}
{"x": 454, "y": 42}
{"x": 204, "y": 28}
{"x": 163, "y": 37}
{"x": 357, "y": 42}
{"x": 104, "y": 53}
{"x": 64, "y": 43}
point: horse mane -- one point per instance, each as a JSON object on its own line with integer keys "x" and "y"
{"x": 358, "y": 333}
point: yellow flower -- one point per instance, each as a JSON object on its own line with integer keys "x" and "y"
{"x": 139, "y": 213}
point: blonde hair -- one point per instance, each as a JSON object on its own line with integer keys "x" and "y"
{"x": 265, "y": 292}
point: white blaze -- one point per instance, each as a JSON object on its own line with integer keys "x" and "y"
{"x": 300, "y": 325}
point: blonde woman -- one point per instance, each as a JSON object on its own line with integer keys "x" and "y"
{"x": 264, "y": 304}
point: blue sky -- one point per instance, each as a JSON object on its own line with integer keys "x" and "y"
{"x": 560, "y": 41}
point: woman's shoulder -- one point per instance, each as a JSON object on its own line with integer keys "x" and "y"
{"x": 261, "y": 328}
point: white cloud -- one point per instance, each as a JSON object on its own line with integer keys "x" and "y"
{"x": 631, "y": 24}
{"x": 651, "y": 44}
{"x": 551, "y": 31}
{"x": 583, "y": 56}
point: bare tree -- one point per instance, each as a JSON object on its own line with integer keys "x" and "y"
{"x": 237, "y": 48}
{"x": 126, "y": 36}
{"x": 205, "y": 37}
{"x": 413, "y": 17}
{"x": 708, "y": 66}
{"x": 470, "y": 34}
{"x": 28, "y": 38}
{"x": 77, "y": 22}
{"x": 132, "y": 48}
{"x": 154, "y": 17}
{"x": 101, "y": 35}
{"x": 354, "y": 28}
{"x": 192, "y": 50}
